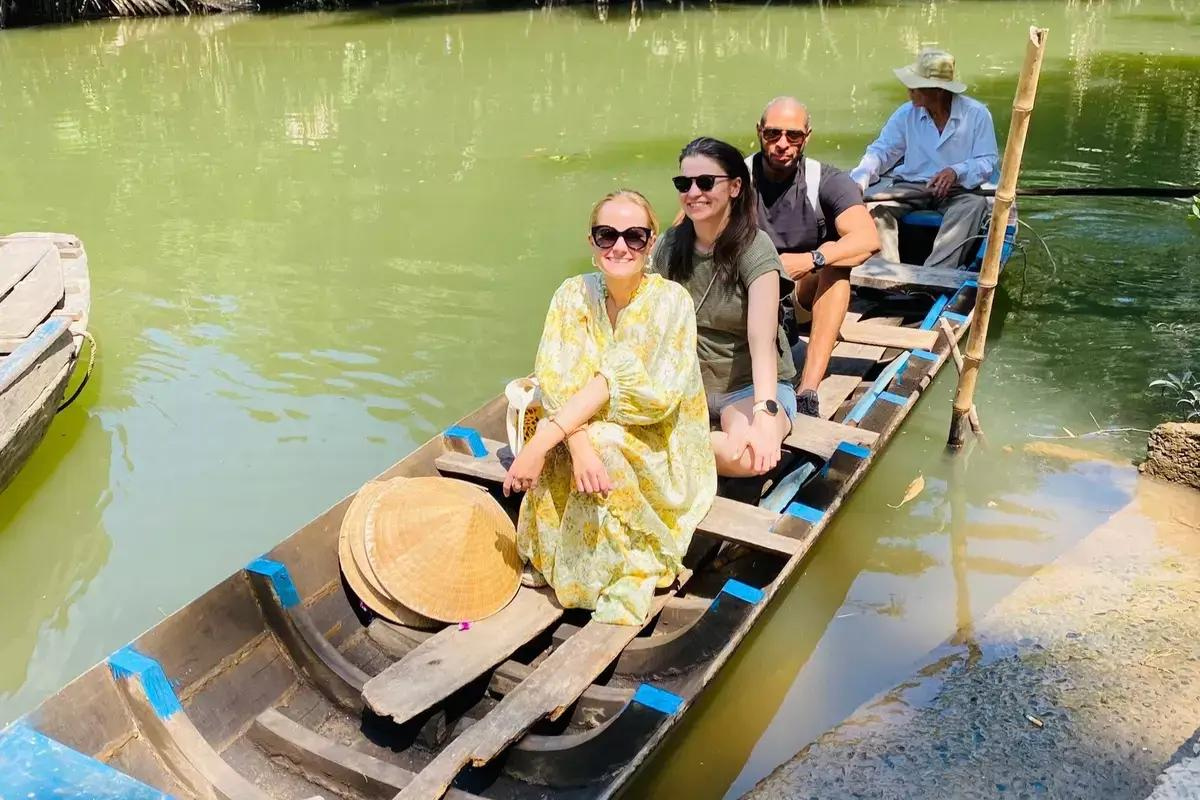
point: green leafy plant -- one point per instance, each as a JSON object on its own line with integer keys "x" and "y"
{"x": 1195, "y": 217}
{"x": 1184, "y": 389}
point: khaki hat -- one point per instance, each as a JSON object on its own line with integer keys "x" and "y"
{"x": 443, "y": 548}
{"x": 934, "y": 70}
{"x": 352, "y": 554}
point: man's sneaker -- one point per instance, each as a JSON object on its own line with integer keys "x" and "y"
{"x": 808, "y": 404}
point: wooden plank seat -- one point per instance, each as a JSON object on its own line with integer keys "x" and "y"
{"x": 35, "y": 294}
{"x": 727, "y": 520}
{"x": 821, "y": 436}
{"x": 888, "y": 335}
{"x": 548, "y": 691}
{"x": 879, "y": 273}
{"x": 453, "y": 657}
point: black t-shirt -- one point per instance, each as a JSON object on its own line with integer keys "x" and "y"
{"x": 785, "y": 214}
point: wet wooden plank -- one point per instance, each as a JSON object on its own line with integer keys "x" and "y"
{"x": 728, "y": 519}
{"x": 452, "y": 658}
{"x": 548, "y": 691}
{"x": 17, "y": 259}
{"x": 33, "y": 298}
{"x": 888, "y": 335}
{"x": 877, "y": 273}
{"x": 821, "y": 436}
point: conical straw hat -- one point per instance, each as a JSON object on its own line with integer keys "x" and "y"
{"x": 356, "y": 568}
{"x": 443, "y": 548}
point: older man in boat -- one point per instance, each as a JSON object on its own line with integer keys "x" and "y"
{"x": 932, "y": 152}
{"x": 815, "y": 216}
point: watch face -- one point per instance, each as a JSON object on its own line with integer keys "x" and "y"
{"x": 772, "y": 407}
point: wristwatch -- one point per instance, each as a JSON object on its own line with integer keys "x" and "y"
{"x": 769, "y": 406}
{"x": 818, "y": 260}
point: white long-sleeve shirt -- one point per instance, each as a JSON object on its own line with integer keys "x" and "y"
{"x": 913, "y": 149}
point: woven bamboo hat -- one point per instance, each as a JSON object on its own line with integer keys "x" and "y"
{"x": 443, "y": 548}
{"x": 352, "y": 554}
{"x": 934, "y": 69}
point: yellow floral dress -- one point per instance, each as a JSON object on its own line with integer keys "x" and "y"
{"x": 609, "y": 554}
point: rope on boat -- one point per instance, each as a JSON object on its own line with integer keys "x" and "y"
{"x": 87, "y": 374}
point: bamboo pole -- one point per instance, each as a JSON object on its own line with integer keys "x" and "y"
{"x": 1010, "y": 168}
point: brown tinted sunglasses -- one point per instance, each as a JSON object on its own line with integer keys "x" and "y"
{"x": 793, "y": 137}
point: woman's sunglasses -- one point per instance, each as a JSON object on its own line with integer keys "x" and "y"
{"x": 706, "y": 182}
{"x": 793, "y": 137}
{"x": 636, "y": 239}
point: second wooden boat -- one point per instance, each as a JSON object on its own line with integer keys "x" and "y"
{"x": 44, "y": 302}
{"x": 277, "y": 683}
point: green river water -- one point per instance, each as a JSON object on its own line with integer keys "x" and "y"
{"x": 316, "y": 239}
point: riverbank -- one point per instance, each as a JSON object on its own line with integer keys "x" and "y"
{"x": 1083, "y": 682}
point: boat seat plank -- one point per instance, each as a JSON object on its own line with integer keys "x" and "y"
{"x": 848, "y": 363}
{"x": 888, "y": 335}
{"x": 878, "y": 273}
{"x": 17, "y": 259}
{"x": 453, "y": 657}
{"x": 553, "y": 686}
{"x": 33, "y": 298}
{"x": 728, "y": 519}
{"x": 279, "y": 736}
{"x": 821, "y": 436}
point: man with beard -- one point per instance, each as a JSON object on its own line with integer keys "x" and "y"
{"x": 814, "y": 214}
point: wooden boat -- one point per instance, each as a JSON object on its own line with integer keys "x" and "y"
{"x": 278, "y": 684}
{"x": 44, "y": 301}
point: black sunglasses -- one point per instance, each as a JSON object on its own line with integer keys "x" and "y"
{"x": 706, "y": 182}
{"x": 793, "y": 137}
{"x": 636, "y": 239}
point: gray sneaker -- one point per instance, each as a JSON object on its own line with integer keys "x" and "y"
{"x": 808, "y": 403}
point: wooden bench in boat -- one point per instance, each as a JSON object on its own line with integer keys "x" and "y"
{"x": 727, "y": 520}
{"x": 879, "y": 273}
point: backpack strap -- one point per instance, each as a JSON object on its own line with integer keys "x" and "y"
{"x": 812, "y": 182}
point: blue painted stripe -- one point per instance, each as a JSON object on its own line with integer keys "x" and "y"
{"x": 893, "y": 398}
{"x": 807, "y": 513}
{"x": 959, "y": 318}
{"x": 743, "y": 591}
{"x": 890, "y": 372}
{"x": 470, "y": 436}
{"x": 32, "y": 765}
{"x": 860, "y": 408}
{"x": 925, "y": 355}
{"x": 856, "y": 450}
{"x": 971, "y": 284}
{"x": 931, "y": 318}
{"x": 658, "y": 699}
{"x": 281, "y": 580}
{"x": 20, "y": 359}
{"x": 128, "y": 663}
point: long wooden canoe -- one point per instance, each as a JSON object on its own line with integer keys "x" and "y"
{"x": 277, "y": 683}
{"x": 44, "y": 302}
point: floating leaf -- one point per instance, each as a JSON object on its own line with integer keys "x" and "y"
{"x": 914, "y": 489}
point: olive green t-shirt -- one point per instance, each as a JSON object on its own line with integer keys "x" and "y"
{"x": 723, "y": 344}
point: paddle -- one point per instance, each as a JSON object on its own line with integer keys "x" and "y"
{"x": 1063, "y": 191}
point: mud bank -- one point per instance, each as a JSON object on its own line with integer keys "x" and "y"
{"x": 1083, "y": 682}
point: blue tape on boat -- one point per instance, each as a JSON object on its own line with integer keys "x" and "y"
{"x": 971, "y": 284}
{"x": 658, "y": 699}
{"x": 470, "y": 436}
{"x": 743, "y": 591}
{"x": 931, "y": 318}
{"x": 856, "y": 450}
{"x": 32, "y": 765}
{"x": 281, "y": 580}
{"x": 925, "y": 355}
{"x": 959, "y": 318}
{"x": 890, "y": 372}
{"x": 21, "y": 358}
{"x": 806, "y": 513}
{"x": 893, "y": 398}
{"x": 129, "y": 663}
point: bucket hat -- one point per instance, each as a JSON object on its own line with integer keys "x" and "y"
{"x": 934, "y": 69}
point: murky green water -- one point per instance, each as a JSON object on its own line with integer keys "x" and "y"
{"x": 317, "y": 239}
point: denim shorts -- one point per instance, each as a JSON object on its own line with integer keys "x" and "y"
{"x": 785, "y": 395}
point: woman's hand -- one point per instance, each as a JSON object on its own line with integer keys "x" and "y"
{"x": 525, "y": 470}
{"x": 591, "y": 476}
{"x": 763, "y": 443}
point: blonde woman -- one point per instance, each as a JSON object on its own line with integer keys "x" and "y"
{"x": 621, "y": 470}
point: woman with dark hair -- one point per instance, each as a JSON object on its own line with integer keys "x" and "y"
{"x": 733, "y": 273}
